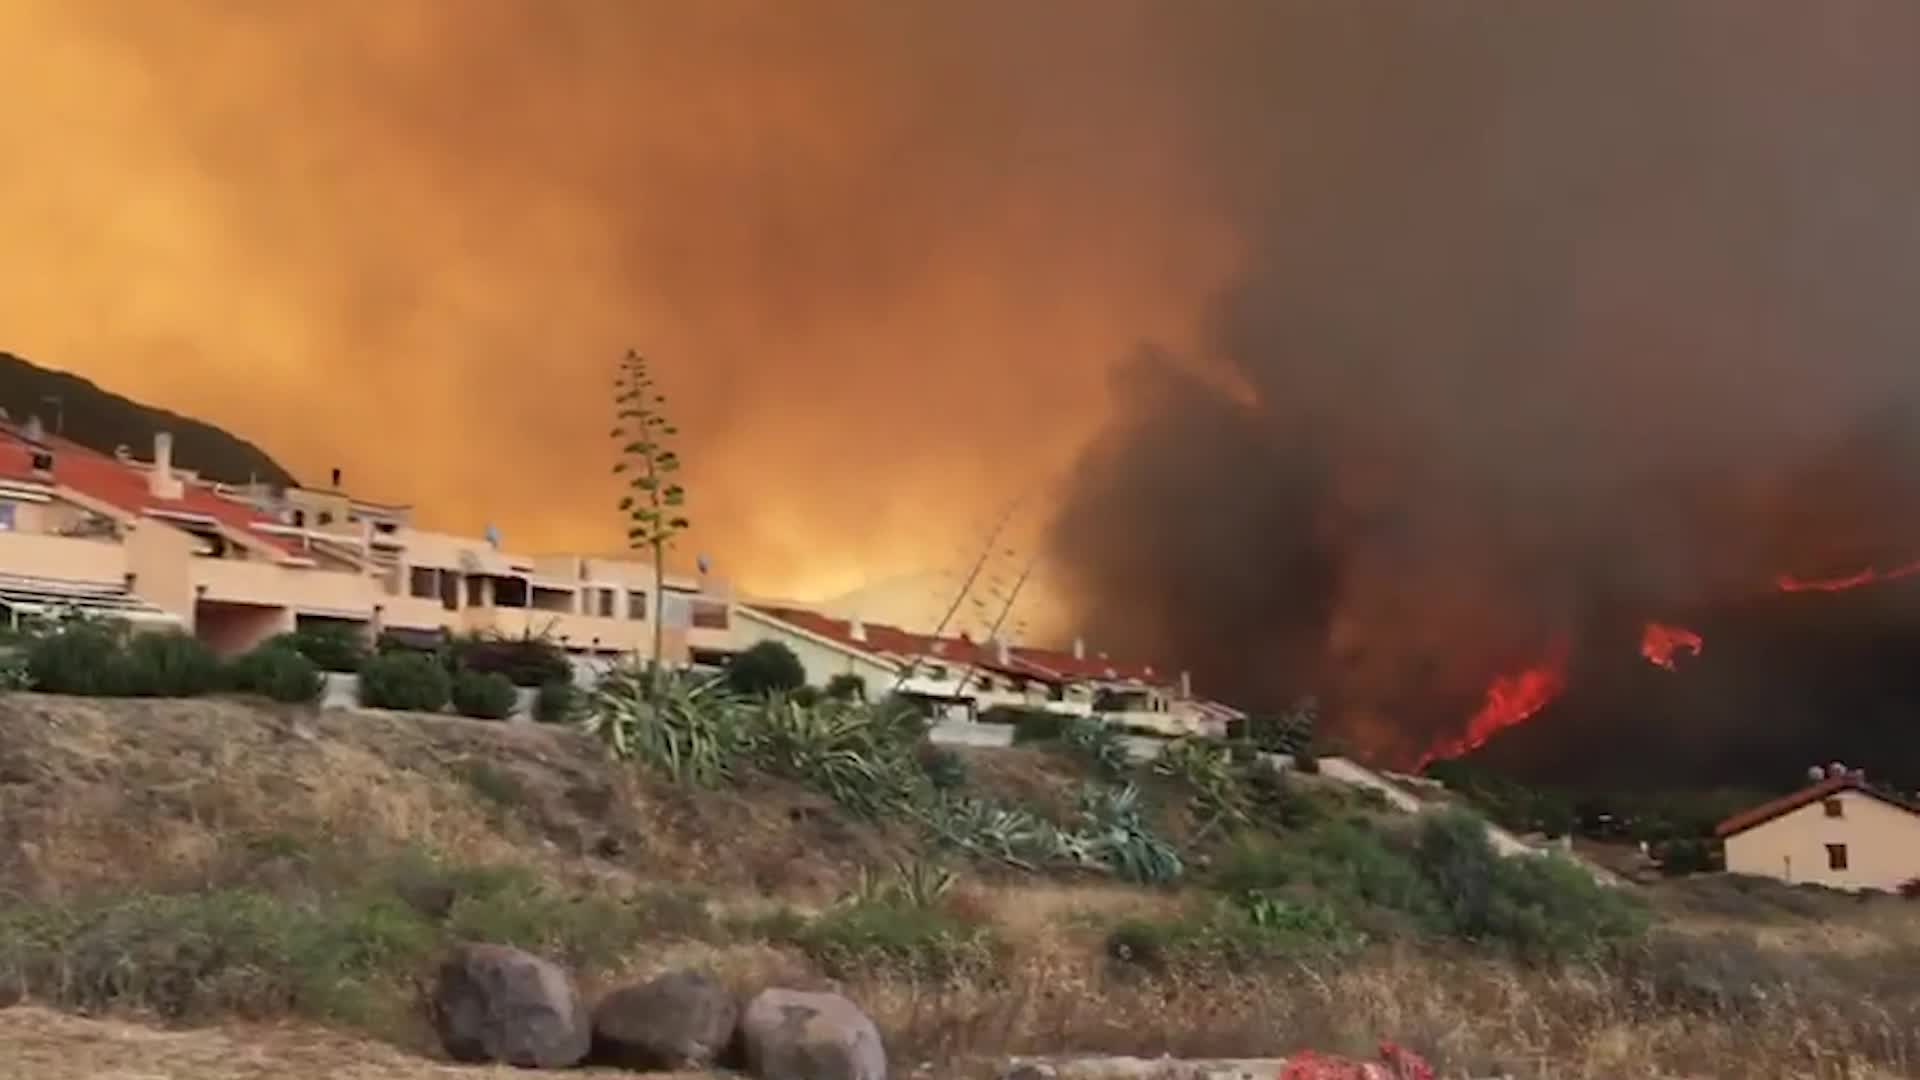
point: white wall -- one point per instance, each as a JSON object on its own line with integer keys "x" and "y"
{"x": 1883, "y": 845}
{"x": 821, "y": 661}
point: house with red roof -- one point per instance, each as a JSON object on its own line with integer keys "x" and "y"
{"x": 961, "y": 679}
{"x": 152, "y": 543}
{"x": 1838, "y": 831}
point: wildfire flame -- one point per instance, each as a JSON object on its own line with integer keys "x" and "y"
{"x": 1511, "y": 699}
{"x": 1659, "y": 642}
{"x": 1514, "y": 698}
{"x": 1790, "y": 583}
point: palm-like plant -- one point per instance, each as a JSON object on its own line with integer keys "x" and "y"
{"x": 688, "y": 731}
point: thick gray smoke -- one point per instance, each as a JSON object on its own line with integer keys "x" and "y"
{"x": 1556, "y": 317}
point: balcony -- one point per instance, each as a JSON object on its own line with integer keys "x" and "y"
{"x": 301, "y": 589}
{"x": 61, "y": 558}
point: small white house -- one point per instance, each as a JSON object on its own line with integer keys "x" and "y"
{"x": 1837, "y": 832}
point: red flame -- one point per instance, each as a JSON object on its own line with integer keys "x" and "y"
{"x": 1658, "y": 643}
{"x": 1511, "y": 699}
{"x": 1789, "y": 583}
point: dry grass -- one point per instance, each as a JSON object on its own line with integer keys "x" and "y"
{"x": 98, "y": 798}
{"x": 44, "y": 1045}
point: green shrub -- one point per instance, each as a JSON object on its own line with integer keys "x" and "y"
{"x": 335, "y": 647}
{"x": 523, "y": 661}
{"x": 557, "y": 702}
{"x": 1347, "y": 863}
{"x": 78, "y": 656}
{"x": 898, "y": 922}
{"x": 1243, "y": 933}
{"x": 483, "y": 695}
{"x": 277, "y": 672}
{"x": 945, "y": 769}
{"x": 170, "y": 664}
{"x": 411, "y": 682}
{"x": 766, "y": 667}
{"x": 847, "y": 686}
{"x": 346, "y": 954}
{"x": 1542, "y": 906}
{"x": 1029, "y": 725}
{"x": 14, "y": 674}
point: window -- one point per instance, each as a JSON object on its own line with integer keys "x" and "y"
{"x": 326, "y": 517}
{"x": 6, "y": 516}
{"x": 606, "y": 603}
{"x": 637, "y": 606}
{"x": 1836, "y": 856}
{"x": 423, "y": 582}
{"x": 1836, "y": 808}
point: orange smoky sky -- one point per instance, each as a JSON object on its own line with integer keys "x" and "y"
{"x": 883, "y": 254}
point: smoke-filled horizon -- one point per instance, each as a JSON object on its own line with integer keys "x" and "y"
{"x": 1364, "y": 349}
{"x": 1553, "y": 320}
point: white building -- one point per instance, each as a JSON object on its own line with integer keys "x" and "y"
{"x": 1837, "y": 832}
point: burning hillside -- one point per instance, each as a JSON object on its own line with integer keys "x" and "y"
{"x": 1542, "y": 385}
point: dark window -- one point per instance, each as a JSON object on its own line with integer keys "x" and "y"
{"x": 606, "y": 603}
{"x": 511, "y": 592}
{"x": 1836, "y": 808}
{"x": 326, "y": 517}
{"x": 299, "y": 519}
{"x": 476, "y": 591}
{"x": 637, "y": 606}
{"x": 423, "y": 582}
{"x": 1836, "y": 856}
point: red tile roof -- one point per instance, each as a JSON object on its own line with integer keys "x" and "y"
{"x": 1787, "y": 804}
{"x": 106, "y": 478}
{"x": 1045, "y": 664}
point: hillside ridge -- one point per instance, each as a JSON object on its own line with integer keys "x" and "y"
{"x": 102, "y": 420}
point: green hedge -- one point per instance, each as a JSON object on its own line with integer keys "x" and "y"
{"x": 331, "y": 646}
{"x": 99, "y": 659}
{"x": 410, "y": 682}
{"x": 483, "y": 695}
{"x": 276, "y": 671}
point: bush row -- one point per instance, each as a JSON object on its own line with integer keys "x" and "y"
{"x": 95, "y": 658}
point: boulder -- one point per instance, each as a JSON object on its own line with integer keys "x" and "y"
{"x": 791, "y": 1035}
{"x": 495, "y": 1003}
{"x": 685, "y": 1020}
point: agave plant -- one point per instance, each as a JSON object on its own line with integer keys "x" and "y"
{"x": 1099, "y": 742}
{"x": 847, "y": 750}
{"x": 686, "y": 730}
{"x": 989, "y": 830}
{"x": 917, "y": 884}
{"x": 1208, "y": 772}
{"x": 1120, "y": 838}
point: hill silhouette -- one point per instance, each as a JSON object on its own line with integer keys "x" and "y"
{"x": 102, "y": 420}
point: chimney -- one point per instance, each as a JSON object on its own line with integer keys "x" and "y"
{"x": 161, "y": 483}
{"x": 1186, "y": 686}
{"x": 1002, "y": 652}
{"x": 1079, "y": 648}
{"x": 857, "y": 628}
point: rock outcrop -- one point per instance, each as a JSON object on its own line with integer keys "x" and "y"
{"x": 790, "y": 1035}
{"x": 498, "y": 1004}
{"x": 685, "y": 1020}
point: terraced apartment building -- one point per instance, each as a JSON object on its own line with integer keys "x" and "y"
{"x": 155, "y": 544}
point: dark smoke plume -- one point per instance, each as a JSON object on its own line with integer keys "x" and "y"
{"x": 1553, "y": 318}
